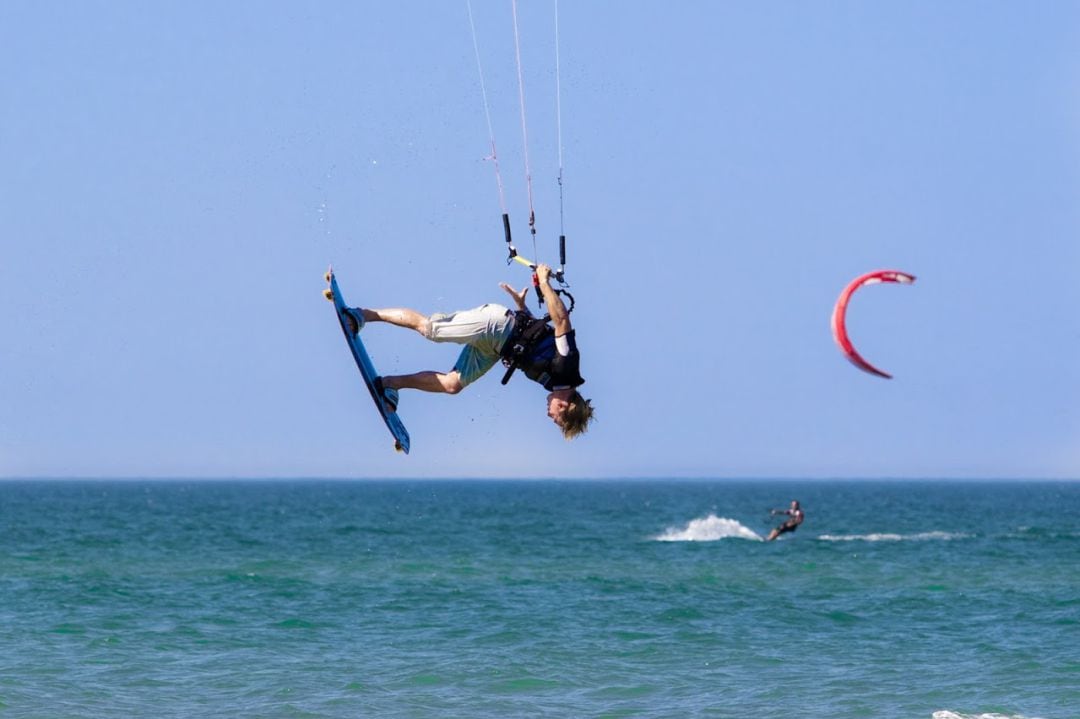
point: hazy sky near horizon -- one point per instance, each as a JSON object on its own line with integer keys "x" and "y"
{"x": 176, "y": 177}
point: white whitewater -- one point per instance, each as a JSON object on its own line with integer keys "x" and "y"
{"x": 709, "y": 529}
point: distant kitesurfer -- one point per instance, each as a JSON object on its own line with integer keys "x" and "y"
{"x": 546, "y": 354}
{"x": 795, "y": 518}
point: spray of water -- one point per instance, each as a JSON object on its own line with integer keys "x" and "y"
{"x": 709, "y": 529}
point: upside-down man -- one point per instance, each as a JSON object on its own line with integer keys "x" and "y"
{"x": 546, "y": 353}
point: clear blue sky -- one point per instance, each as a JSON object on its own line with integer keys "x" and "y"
{"x": 175, "y": 178}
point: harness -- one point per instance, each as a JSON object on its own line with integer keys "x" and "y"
{"x": 527, "y": 333}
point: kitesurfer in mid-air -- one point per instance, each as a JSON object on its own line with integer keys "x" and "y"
{"x": 546, "y": 353}
{"x": 795, "y": 518}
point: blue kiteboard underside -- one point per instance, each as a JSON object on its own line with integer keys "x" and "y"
{"x": 367, "y": 369}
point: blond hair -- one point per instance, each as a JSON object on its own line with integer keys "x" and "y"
{"x": 576, "y": 418}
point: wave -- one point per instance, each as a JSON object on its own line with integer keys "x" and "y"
{"x": 945, "y": 714}
{"x": 709, "y": 529}
{"x": 886, "y": 537}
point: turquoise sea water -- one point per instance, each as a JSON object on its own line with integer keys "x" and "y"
{"x": 939, "y": 600}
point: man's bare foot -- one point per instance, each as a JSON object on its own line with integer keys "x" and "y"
{"x": 389, "y": 395}
{"x": 354, "y": 319}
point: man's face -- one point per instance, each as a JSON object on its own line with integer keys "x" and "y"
{"x": 557, "y": 407}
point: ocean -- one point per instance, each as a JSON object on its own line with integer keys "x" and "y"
{"x": 928, "y": 599}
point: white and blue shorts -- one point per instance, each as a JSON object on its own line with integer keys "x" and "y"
{"x": 482, "y": 330}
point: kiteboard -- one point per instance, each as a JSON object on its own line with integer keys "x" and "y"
{"x": 367, "y": 369}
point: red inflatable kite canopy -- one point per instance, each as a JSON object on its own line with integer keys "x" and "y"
{"x": 840, "y": 331}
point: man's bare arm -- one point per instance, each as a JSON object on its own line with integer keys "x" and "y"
{"x": 560, "y": 318}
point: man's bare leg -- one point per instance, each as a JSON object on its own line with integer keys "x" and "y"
{"x": 428, "y": 381}
{"x": 446, "y": 383}
{"x": 399, "y": 316}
